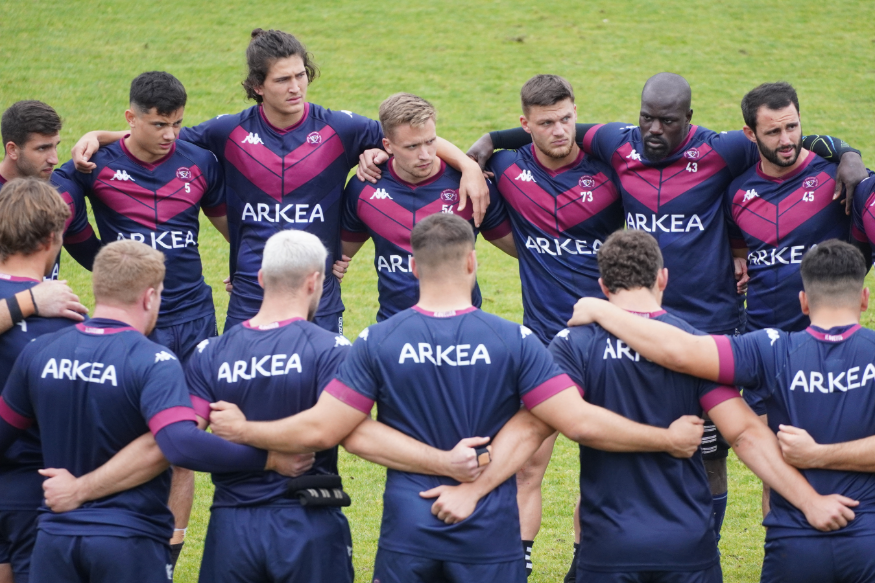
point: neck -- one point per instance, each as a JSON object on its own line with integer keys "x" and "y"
{"x": 139, "y": 153}
{"x": 636, "y": 300}
{"x": 410, "y": 178}
{"x": 278, "y": 307}
{"x": 32, "y": 266}
{"x": 122, "y": 314}
{"x": 775, "y": 171}
{"x": 444, "y": 295}
{"x": 556, "y": 163}
{"x": 827, "y": 317}
{"x": 8, "y": 170}
{"x": 281, "y": 120}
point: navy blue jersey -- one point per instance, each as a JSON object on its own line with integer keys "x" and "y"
{"x": 780, "y": 219}
{"x": 387, "y": 212}
{"x": 863, "y": 225}
{"x": 279, "y": 179}
{"x": 640, "y": 511}
{"x": 93, "y": 388}
{"x": 19, "y": 480}
{"x": 468, "y": 371}
{"x": 157, "y": 204}
{"x": 271, "y": 372}
{"x": 679, "y": 200}
{"x": 560, "y": 219}
{"x": 822, "y": 381}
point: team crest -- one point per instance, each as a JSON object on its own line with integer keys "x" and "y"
{"x": 586, "y": 182}
{"x": 692, "y": 154}
{"x": 810, "y": 182}
{"x": 183, "y": 173}
{"x": 314, "y": 138}
{"x": 450, "y": 195}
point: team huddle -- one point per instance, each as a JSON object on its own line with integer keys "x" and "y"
{"x": 684, "y": 291}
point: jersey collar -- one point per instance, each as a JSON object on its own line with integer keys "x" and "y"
{"x": 103, "y": 326}
{"x": 437, "y": 176}
{"x": 648, "y": 315}
{"x": 7, "y": 277}
{"x": 808, "y": 160}
{"x": 147, "y": 165}
{"x": 272, "y": 325}
{"x": 580, "y": 156}
{"x": 283, "y": 131}
{"x": 836, "y": 334}
{"x": 449, "y": 314}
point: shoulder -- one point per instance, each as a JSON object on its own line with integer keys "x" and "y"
{"x": 320, "y": 338}
{"x": 339, "y": 119}
{"x": 196, "y": 154}
{"x": 679, "y": 323}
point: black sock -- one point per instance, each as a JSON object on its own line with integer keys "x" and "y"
{"x": 174, "y": 553}
{"x": 527, "y": 551}
{"x": 571, "y": 575}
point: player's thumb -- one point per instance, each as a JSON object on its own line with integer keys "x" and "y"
{"x": 49, "y": 472}
{"x": 474, "y": 441}
{"x": 433, "y": 493}
{"x": 219, "y": 405}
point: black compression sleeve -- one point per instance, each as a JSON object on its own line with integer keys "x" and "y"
{"x": 186, "y": 446}
{"x": 518, "y": 137}
{"x": 84, "y": 252}
{"x": 827, "y": 147}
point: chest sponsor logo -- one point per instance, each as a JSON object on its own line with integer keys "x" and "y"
{"x": 617, "y": 349}
{"x": 380, "y": 194}
{"x": 252, "y": 138}
{"x": 450, "y": 195}
{"x": 270, "y": 365}
{"x": 277, "y": 213}
{"x": 777, "y": 256}
{"x": 163, "y": 240}
{"x": 183, "y": 173}
{"x": 453, "y": 355}
{"x": 122, "y": 175}
{"x": 73, "y": 370}
{"x": 830, "y": 382}
{"x": 525, "y": 176}
{"x": 559, "y": 247}
{"x": 314, "y": 138}
{"x": 654, "y": 223}
{"x": 393, "y": 263}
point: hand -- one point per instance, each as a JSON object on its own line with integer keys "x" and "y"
{"x": 798, "y": 447}
{"x": 830, "y": 512}
{"x": 229, "y": 287}
{"x": 481, "y": 151}
{"x": 685, "y": 436}
{"x": 367, "y": 170}
{"x": 473, "y": 185}
{"x": 850, "y": 173}
{"x": 585, "y": 312}
{"x": 289, "y": 464}
{"x": 227, "y": 421}
{"x": 340, "y": 267}
{"x": 61, "y": 490}
{"x": 454, "y": 503}
{"x": 55, "y": 299}
{"x": 82, "y": 152}
{"x": 461, "y": 462}
{"x": 741, "y": 275}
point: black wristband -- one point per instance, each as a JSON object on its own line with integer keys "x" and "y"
{"x": 14, "y": 310}
{"x": 33, "y": 301}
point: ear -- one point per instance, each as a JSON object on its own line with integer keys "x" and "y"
{"x": 803, "y": 302}
{"x": 525, "y": 123}
{"x": 12, "y": 151}
{"x": 471, "y": 262}
{"x": 575, "y": 112}
{"x": 387, "y": 145}
{"x": 261, "y": 279}
{"x": 750, "y": 134}
{"x": 149, "y": 296}
{"x": 314, "y": 281}
{"x": 864, "y": 300}
{"x": 662, "y": 279}
{"x": 605, "y": 289}
{"x": 689, "y": 116}
{"x": 259, "y": 89}
{"x": 130, "y": 117}
{"x": 414, "y": 269}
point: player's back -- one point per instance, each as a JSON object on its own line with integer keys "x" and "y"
{"x": 270, "y": 372}
{"x": 639, "y": 511}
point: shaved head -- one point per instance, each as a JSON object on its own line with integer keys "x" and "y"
{"x": 665, "y": 114}
{"x": 668, "y": 89}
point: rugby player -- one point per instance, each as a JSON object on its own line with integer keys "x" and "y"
{"x": 415, "y": 184}
{"x": 285, "y": 163}
{"x": 816, "y": 385}
{"x": 118, "y": 385}
{"x": 471, "y": 370}
{"x": 863, "y": 217}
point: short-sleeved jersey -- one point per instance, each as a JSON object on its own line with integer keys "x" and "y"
{"x": 19, "y": 480}
{"x": 560, "y": 218}
{"x": 819, "y": 380}
{"x": 780, "y": 219}
{"x": 387, "y": 212}
{"x": 679, "y": 200}
{"x": 863, "y": 226}
{"x": 270, "y": 372}
{"x": 640, "y": 511}
{"x": 440, "y": 378}
{"x": 93, "y": 388}
{"x": 280, "y": 179}
{"x": 157, "y": 204}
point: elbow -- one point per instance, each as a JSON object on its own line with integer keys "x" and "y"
{"x": 320, "y": 440}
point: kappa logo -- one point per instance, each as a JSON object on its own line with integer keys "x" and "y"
{"x": 634, "y": 155}
{"x": 774, "y": 335}
{"x": 349, "y": 550}
{"x": 203, "y": 344}
{"x": 183, "y": 173}
{"x": 810, "y": 182}
{"x": 122, "y": 175}
{"x": 750, "y": 194}
{"x": 163, "y": 355}
{"x": 526, "y": 176}
{"x": 252, "y": 138}
{"x": 525, "y": 331}
{"x": 349, "y": 113}
{"x": 314, "y": 138}
{"x": 341, "y": 341}
{"x": 381, "y": 194}
{"x": 169, "y": 572}
{"x": 586, "y": 182}
{"x": 692, "y": 154}
{"x": 563, "y": 333}
{"x": 450, "y": 195}
{"x": 364, "y": 334}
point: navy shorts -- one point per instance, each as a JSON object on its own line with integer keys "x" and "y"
{"x": 709, "y": 575}
{"x": 99, "y": 559}
{"x": 277, "y": 543}
{"x": 183, "y": 338}
{"x": 392, "y": 567}
{"x": 17, "y": 535}
{"x": 330, "y": 322}
{"x": 820, "y": 559}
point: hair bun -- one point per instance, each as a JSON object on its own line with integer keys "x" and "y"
{"x": 257, "y": 32}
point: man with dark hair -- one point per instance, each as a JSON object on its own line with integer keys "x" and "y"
{"x": 150, "y": 187}
{"x": 863, "y": 217}
{"x": 818, "y": 388}
{"x": 285, "y": 163}
{"x": 415, "y": 184}
{"x": 472, "y": 369}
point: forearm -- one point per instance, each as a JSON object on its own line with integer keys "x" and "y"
{"x": 828, "y": 147}
{"x": 851, "y": 456}
{"x": 380, "y": 444}
{"x": 107, "y": 137}
{"x": 605, "y": 430}
{"x": 221, "y": 225}
{"x": 350, "y": 248}
{"x": 140, "y": 461}
{"x": 184, "y": 445}
{"x": 84, "y": 252}
{"x": 302, "y": 433}
{"x": 21, "y": 304}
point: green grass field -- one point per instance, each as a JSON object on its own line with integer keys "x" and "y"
{"x": 470, "y": 59}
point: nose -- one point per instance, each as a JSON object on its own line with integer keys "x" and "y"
{"x": 424, "y": 153}
{"x": 53, "y": 157}
{"x": 656, "y": 127}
